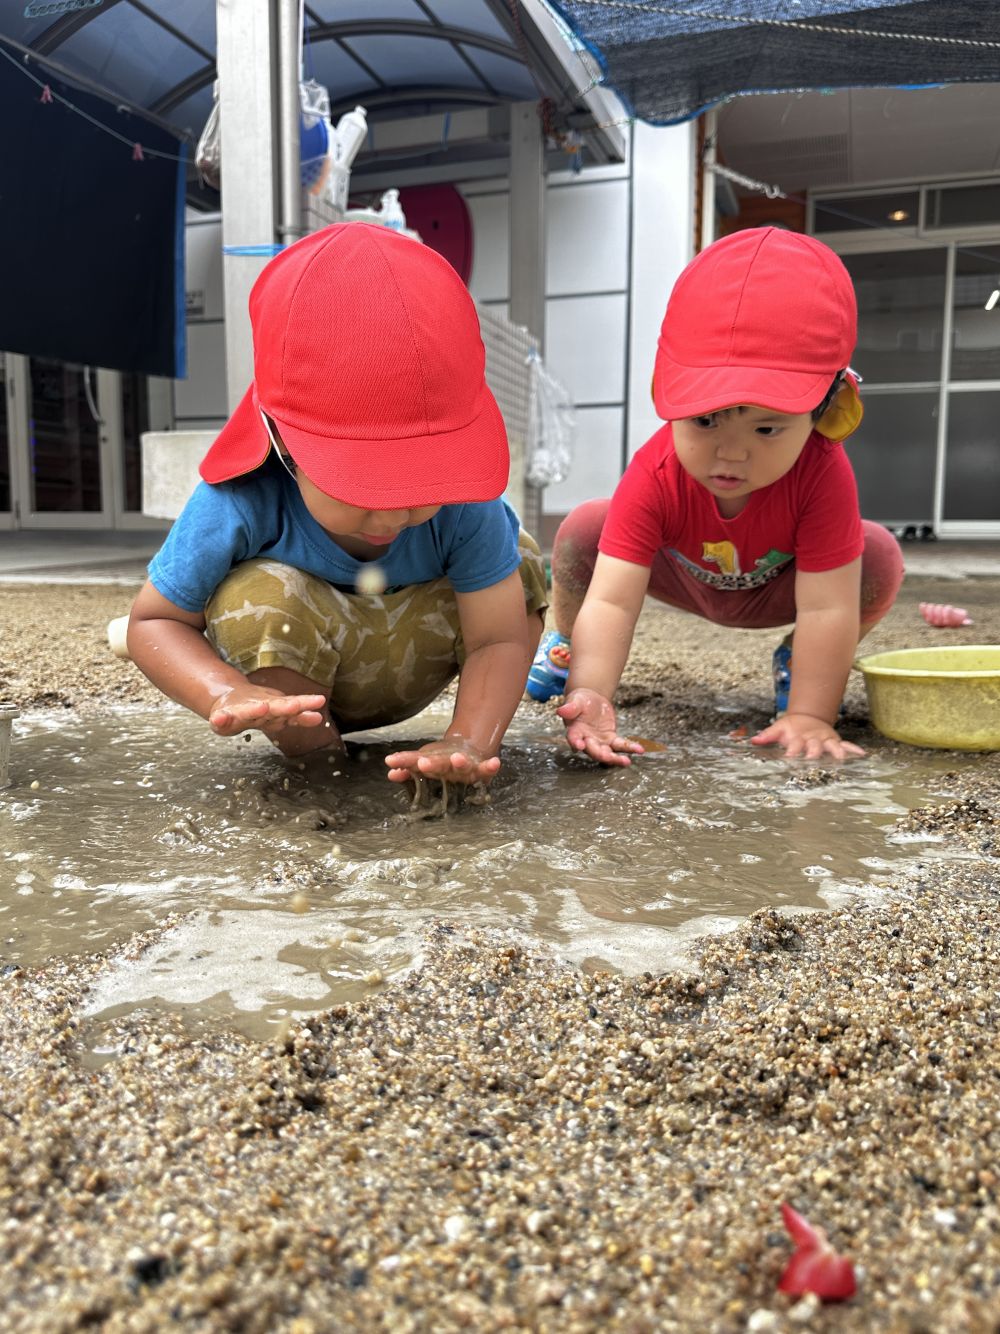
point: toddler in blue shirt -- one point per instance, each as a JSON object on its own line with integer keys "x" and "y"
{"x": 348, "y": 553}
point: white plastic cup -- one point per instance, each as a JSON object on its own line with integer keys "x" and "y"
{"x": 117, "y": 631}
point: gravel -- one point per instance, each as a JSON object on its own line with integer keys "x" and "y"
{"x": 499, "y": 1142}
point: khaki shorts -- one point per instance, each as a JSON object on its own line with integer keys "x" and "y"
{"x": 384, "y": 656}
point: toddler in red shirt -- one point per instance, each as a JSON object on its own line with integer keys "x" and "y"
{"x": 743, "y": 509}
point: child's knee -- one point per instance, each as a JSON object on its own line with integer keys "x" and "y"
{"x": 574, "y": 551}
{"x": 881, "y": 572}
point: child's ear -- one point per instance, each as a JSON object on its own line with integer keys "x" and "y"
{"x": 844, "y": 414}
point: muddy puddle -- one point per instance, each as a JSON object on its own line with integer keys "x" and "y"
{"x": 302, "y": 890}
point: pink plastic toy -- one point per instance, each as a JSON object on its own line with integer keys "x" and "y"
{"x": 940, "y": 613}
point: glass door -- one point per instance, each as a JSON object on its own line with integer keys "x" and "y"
{"x": 135, "y": 408}
{"x": 64, "y": 443}
{"x": 927, "y": 451}
{"x": 6, "y": 451}
{"x": 70, "y": 444}
{"x": 901, "y": 299}
{"x": 971, "y": 478}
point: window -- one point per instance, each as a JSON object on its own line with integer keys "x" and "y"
{"x": 897, "y": 211}
{"x": 893, "y": 453}
{"x": 963, "y": 206}
{"x": 972, "y": 479}
{"x": 975, "y": 339}
{"x": 900, "y": 307}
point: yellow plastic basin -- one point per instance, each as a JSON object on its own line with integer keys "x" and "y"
{"x": 946, "y": 697}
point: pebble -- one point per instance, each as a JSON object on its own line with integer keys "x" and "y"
{"x": 456, "y": 1226}
{"x": 805, "y": 1309}
{"x": 763, "y": 1322}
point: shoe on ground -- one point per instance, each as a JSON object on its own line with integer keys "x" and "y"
{"x": 550, "y": 667}
{"x": 781, "y": 671}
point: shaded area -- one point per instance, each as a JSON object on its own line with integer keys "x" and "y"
{"x": 97, "y": 226}
{"x": 668, "y": 62}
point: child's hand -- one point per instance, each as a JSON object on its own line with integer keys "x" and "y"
{"x": 590, "y": 726}
{"x": 801, "y": 734}
{"x": 452, "y": 760}
{"x": 266, "y": 709}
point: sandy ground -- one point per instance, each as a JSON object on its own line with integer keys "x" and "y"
{"x": 497, "y": 1142}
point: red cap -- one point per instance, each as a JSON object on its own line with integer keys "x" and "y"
{"x": 763, "y": 317}
{"x": 369, "y": 359}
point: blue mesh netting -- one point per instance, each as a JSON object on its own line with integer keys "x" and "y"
{"x": 669, "y": 59}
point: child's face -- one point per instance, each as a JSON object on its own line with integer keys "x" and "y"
{"x": 376, "y": 527}
{"x": 740, "y": 450}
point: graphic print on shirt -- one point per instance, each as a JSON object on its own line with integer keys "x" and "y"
{"x": 724, "y": 554}
{"x": 729, "y": 576}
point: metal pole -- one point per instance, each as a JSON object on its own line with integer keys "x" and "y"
{"x": 527, "y": 267}
{"x": 709, "y": 158}
{"x": 247, "y": 65}
{"x": 289, "y": 74}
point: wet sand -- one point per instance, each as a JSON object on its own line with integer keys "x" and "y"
{"x": 500, "y": 1142}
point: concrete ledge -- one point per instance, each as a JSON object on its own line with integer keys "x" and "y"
{"x": 170, "y": 469}
{"x": 8, "y": 712}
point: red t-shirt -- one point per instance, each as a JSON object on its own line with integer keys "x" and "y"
{"x": 809, "y": 516}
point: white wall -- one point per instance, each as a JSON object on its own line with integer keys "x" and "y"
{"x": 200, "y": 400}
{"x": 663, "y": 186}
{"x": 616, "y": 239}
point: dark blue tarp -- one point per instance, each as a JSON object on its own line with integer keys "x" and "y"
{"x": 669, "y": 61}
{"x": 92, "y": 240}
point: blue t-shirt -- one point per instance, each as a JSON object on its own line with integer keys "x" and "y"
{"x": 263, "y": 514}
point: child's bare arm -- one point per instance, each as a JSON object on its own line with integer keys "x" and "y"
{"x": 826, "y": 637}
{"x": 827, "y": 626}
{"x": 497, "y": 656}
{"x": 168, "y": 645}
{"x": 602, "y": 637}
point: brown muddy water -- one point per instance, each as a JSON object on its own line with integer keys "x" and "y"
{"x": 300, "y": 890}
